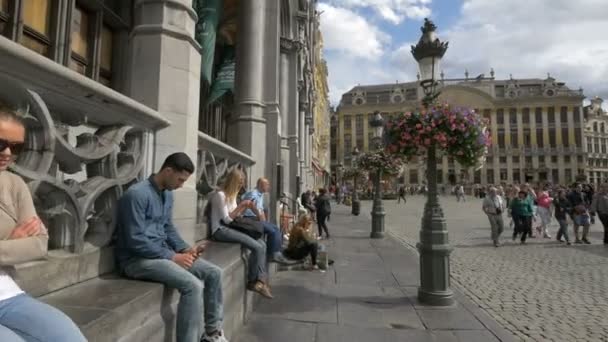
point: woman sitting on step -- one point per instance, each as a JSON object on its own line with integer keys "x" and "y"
{"x": 302, "y": 242}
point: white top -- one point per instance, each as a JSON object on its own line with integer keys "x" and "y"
{"x": 220, "y": 210}
{"x": 8, "y": 287}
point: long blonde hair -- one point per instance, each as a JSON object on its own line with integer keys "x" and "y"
{"x": 232, "y": 184}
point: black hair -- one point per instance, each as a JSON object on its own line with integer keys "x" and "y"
{"x": 179, "y": 162}
{"x": 7, "y": 113}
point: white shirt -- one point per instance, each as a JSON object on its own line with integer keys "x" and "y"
{"x": 8, "y": 287}
{"x": 220, "y": 210}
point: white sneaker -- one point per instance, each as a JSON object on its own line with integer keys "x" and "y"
{"x": 219, "y": 337}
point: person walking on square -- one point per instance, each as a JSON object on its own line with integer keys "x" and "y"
{"x": 599, "y": 205}
{"x": 274, "y": 237}
{"x": 23, "y": 238}
{"x": 522, "y": 211}
{"x": 401, "y": 195}
{"x": 494, "y": 205}
{"x": 148, "y": 247}
{"x": 544, "y": 213}
{"x": 579, "y": 213}
{"x": 323, "y": 210}
{"x": 562, "y": 207}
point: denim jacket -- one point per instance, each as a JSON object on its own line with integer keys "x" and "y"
{"x": 144, "y": 224}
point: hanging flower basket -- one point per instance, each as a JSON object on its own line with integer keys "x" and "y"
{"x": 459, "y": 132}
{"x": 387, "y": 163}
{"x": 353, "y": 172}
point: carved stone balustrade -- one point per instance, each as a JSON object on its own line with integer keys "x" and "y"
{"x": 215, "y": 160}
{"x": 85, "y": 145}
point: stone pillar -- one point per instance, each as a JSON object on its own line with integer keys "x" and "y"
{"x": 302, "y": 145}
{"x": 247, "y": 127}
{"x": 272, "y": 61}
{"x": 165, "y": 75}
{"x": 289, "y": 139}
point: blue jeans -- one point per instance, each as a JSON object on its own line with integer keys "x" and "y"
{"x": 257, "y": 261}
{"x": 200, "y": 285}
{"x": 274, "y": 238}
{"x": 23, "y": 318}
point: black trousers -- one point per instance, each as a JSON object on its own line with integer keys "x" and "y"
{"x": 322, "y": 223}
{"x": 523, "y": 225}
{"x": 604, "y": 220}
{"x": 300, "y": 253}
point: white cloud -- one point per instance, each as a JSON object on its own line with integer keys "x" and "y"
{"x": 348, "y": 32}
{"x": 531, "y": 38}
{"x": 393, "y": 11}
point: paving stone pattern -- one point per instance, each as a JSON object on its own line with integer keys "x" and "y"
{"x": 368, "y": 295}
{"x": 541, "y": 291}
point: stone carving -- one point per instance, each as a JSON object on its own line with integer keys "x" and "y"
{"x": 215, "y": 160}
{"x": 76, "y": 172}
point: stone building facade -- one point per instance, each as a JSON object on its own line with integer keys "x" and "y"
{"x": 596, "y": 131}
{"x": 114, "y": 86}
{"x": 321, "y": 119}
{"x": 537, "y": 127}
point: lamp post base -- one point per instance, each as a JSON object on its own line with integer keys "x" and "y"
{"x": 356, "y": 207}
{"x": 436, "y": 298}
{"x": 378, "y": 214}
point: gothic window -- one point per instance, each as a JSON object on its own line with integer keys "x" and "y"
{"x": 595, "y": 126}
{"x": 86, "y": 27}
{"x": 603, "y": 128}
{"x": 37, "y": 26}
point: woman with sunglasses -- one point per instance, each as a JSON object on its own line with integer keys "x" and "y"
{"x": 23, "y": 238}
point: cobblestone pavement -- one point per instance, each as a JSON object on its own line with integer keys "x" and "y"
{"x": 541, "y": 291}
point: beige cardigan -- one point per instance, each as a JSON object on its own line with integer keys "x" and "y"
{"x": 17, "y": 206}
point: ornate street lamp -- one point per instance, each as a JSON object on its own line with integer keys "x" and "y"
{"x": 377, "y": 124}
{"x": 356, "y": 205}
{"x": 434, "y": 248}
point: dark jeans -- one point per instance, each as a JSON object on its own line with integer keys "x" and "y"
{"x": 274, "y": 238}
{"x": 321, "y": 223}
{"x": 300, "y": 253}
{"x": 604, "y": 219}
{"x": 563, "y": 229}
{"x": 523, "y": 225}
{"x": 400, "y": 197}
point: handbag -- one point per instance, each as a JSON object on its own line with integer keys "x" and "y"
{"x": 245, "y": 225}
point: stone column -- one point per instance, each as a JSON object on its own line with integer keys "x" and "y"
{"x": 165, "y": 75}
{"x": 289, "y": 139}
{"x": 247, "y": 127}
{"x": 302, "y": 143}
{"x": 272, "y": 61}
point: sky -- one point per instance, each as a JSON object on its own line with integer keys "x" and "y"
{"x": 368, "y": 41}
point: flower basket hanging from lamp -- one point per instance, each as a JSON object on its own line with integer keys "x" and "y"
{"x": 459, "y": 132}
{"x": 380, "y": 160}
{"x": 353, "y": 172}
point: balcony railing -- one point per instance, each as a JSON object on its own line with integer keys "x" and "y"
{"x": 85, "y": 145}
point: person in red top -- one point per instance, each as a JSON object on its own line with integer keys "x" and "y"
{"x": 544, "y": 213}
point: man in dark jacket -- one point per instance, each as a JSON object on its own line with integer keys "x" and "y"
{"x": 323, "y": 208}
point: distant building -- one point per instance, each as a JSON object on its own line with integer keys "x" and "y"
{"x": 537, "y": 127}
{"x": 596, "y": 131}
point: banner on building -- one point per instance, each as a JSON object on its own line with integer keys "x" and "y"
{"x": 209, "y": 14}
{"x": 224, "y": 79}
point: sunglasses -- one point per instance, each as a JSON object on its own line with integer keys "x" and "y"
{"x": 16, "y": 148}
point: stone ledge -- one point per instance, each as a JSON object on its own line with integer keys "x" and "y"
{"x": 111, "y": 308}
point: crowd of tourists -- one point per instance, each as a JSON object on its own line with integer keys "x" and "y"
{"x": 531, "y": 210}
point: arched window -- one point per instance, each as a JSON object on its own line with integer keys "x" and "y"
{"x": 595, "y": 126}
{"x": 603, "y": 128}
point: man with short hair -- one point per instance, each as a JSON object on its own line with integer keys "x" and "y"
{"x": 274, "y": 238}
{"x": 494, "y": 205}
{"x": 23, "y": 238}
{"x": 148, "y": 247}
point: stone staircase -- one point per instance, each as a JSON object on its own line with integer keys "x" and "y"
{"x": 110, "y": 308}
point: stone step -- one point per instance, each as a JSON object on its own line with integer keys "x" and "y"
{"x": 111, "y": 308}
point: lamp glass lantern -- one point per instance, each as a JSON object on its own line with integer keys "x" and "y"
{"x": 377, "y": 124}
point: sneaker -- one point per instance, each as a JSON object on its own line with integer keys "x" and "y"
{"x": 217, "y": 337}
{"x": 577, "y": 241}
{"x": 279, "y": 258}
{"x": 586, "y": 241}
{"x": 568, "y": 243}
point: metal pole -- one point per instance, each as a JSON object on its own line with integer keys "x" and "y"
{"x": 434, "y": 248}
{"x": 356, "y": 206}
{"x": 378, "y": 209}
